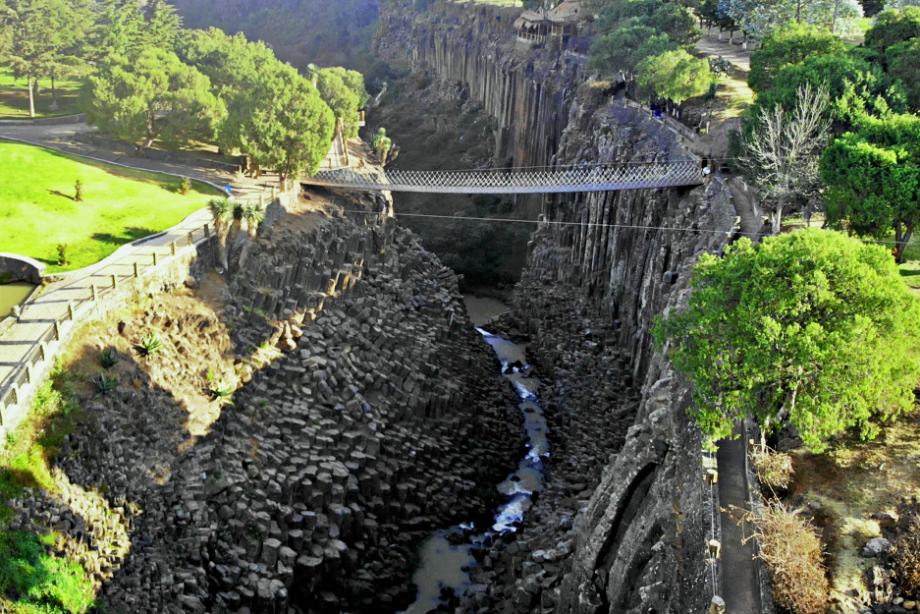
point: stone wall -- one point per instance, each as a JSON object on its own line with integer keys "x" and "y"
{"x": 20, "y": 268}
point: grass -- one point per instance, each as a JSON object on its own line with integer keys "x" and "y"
{"x": 33, "y": 579}
{"x": 38, "y": 211}
{"x": 14, "y": 97}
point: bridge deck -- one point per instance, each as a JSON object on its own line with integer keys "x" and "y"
{"x": 573, "y": 179}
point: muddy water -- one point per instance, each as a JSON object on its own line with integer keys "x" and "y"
{"x": 13, "y": 294}
{"x": 447, "y": 556}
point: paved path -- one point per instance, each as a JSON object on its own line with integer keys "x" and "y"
{"x": 22, "y": 340}
{"x": 740, "y": 584}
{"x": 712, "y": 46}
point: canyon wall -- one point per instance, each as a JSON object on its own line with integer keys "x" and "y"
{"x": 601, "y": 268}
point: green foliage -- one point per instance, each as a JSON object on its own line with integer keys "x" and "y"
{"x": 630, "y": 32}
{"x": 675, "y": 75}
{"x": 219, "y": 389}
{"x": 105, "y": 384}
{"x": 343, "y": 90}
{"x": 62, "y": 255}
{"x": 154, "y": 97}
{"x": 43, "y": 37}
{"x": 37, "y": 581}
{"x": 812, "y": 328}
{"x": 789, "y": 45}
{"x": 108, "y": 358}
{"x": 903, "y": 60}
{"x": 185, "y": 186}
{"x": 873, "y": 178}
{"x": 150, "y": 345}
{"x": 382, "y": 144}
{"x": 78, "y": 190}
{"x": 892, "y": 27}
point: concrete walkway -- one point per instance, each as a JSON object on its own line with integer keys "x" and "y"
{"x": 20, "y": 342}
{"x": 740, "y": 582}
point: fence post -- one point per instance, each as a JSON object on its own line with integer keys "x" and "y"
{"x": 207, "y": 231}
{"x": 191, "y": 238}
{"x": 154, "y": 258}
{"x": 137, "y": 272}
{"x": 95, "y": 292}
{"x": 57, "y": 330}
{"x": 70, "y": 312}
{"x": 172, "y": 248}
{"x": 114, "y": 281}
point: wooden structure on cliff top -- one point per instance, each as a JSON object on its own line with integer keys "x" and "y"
{"x": 561, "y": 22}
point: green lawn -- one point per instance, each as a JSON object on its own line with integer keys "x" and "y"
{"x": 38, "y": 211}
{"x": 14, "y": 97}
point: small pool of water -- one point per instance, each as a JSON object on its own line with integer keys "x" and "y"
{"x": 446, "y": 557}
{"x": 13, "y": 294}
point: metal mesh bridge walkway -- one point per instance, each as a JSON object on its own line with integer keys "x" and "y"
{"x": 600, "y": 178}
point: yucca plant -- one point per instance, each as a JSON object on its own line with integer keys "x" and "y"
{"x": 150, "y": 345}
{"x": 219, "y": 389}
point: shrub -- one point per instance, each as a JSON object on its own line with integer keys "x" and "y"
{"x": 774, "y": 469}
{"x": 906, "y": 552}
{"x": 219, "y": 389}
{"x": 791, "y": 548}
{"x": 185, "y": 186}
{"x": 41, "y": 582}
{"x": 78, "y": 191}
{"x": 62, "y": 254}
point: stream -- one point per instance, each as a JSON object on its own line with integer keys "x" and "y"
{"x": 447, "y": 556}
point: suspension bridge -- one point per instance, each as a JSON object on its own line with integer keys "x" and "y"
{"x": 549, "y": 180}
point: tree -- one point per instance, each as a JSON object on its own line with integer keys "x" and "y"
{"x": 236, "y": 69}
{"x": 789, "y": 45}
{"x": 343, "y": 90}
{"x": 291, "y": 130}
{"x": 118, "y": 35}
{"x": 783, "y": 150}
{"x": 903, "y": 60}
{"x": 42, "y": 37}
{"x": 675, "y": 75}
{"x": 382, "y": 144}
{"x": 760, "y": 17}
{"x": 163, "y": 25}
{"x": 624, "y": 48}
{"x": 873, "y": 179}
{"x": 811, "y": 328}
{"x": 854, "y": 85}
{"x": 155, "y": 97}
{"x": 892, "y": 27}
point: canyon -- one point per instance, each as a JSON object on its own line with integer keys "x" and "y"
{"x": 369, "y": 414}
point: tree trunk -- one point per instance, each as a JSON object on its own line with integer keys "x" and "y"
{"x": 54, "y": 102}
{"x": 776, "y": 218}
{"x": 31, "y": 97}
{"x": 901, "y": 238}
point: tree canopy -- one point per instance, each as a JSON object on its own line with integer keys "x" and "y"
{"x": 675, "y": 75}
{"x": 155, "y": 97}
{"x": 873, "y": 178}
{"x": 343, "y": 90}
{"x": 813, "y": 329}
{"x": 788, "y": 46}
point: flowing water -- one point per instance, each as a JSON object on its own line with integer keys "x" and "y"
{"x": 13, "y": 294}
{"x": 447, "y": 556}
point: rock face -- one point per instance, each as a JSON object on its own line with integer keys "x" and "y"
{"x": 381, "y": 418}
{"x": 600, "y": 270}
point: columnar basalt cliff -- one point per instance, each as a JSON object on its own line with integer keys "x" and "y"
{"x": 601, "y": 268}
{"x": 368, "y": 414}
{"x": 528, "y": 93}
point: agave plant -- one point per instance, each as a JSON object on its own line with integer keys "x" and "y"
{"x": 105, "y": 384}
{"x": 108, "y": 358}
{"x": 150, "y": 345}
